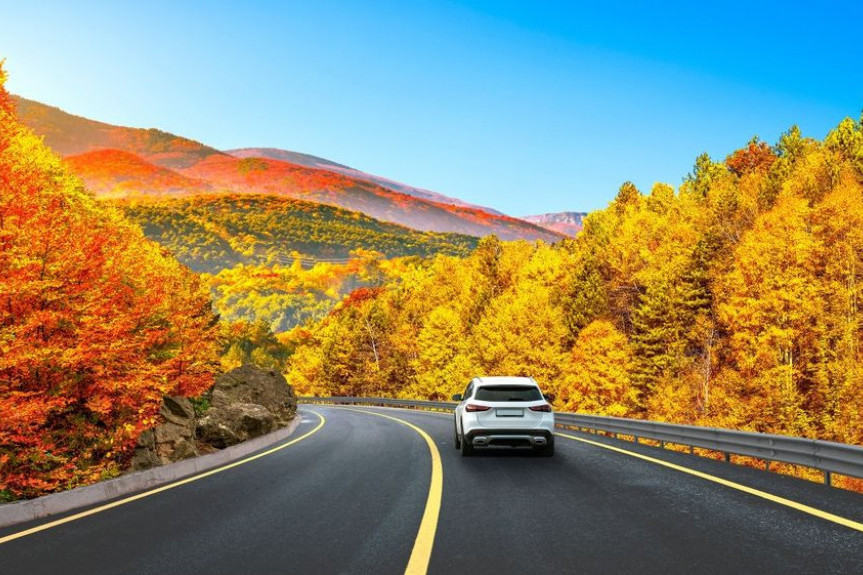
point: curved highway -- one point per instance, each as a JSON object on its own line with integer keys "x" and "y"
{"x": 353, "y": 492}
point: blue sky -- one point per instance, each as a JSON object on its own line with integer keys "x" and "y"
{"x": 528, "y": 107}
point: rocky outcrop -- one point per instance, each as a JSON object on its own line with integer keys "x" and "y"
{"x": 251, "y": 384}
{"x": 171, "y": 440}
{"x": 246, "y": 402}
{"x": 225, "y": 426}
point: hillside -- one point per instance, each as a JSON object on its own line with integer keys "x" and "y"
{"x": 115, "y": 173}
{"x": 320, "y": 163}
{"x": 265, "y": 176}
{"x": 211, "y": 233}
{"x": 69, "y": 135}
{"x": 210, "y": 169}
{"x": 567, "y": 223}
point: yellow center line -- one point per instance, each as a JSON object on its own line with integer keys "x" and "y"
{"x": 752, "y": 491}
{"x": 126, "y": 500}
{"x": 421, "y": 553}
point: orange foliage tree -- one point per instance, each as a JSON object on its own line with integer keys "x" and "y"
{"x": 757, "y": 156}
{"x": 96, "y": 324}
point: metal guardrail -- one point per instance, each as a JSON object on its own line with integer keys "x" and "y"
{"x": 826, "y": 456}
{"x": 382, "y": 401}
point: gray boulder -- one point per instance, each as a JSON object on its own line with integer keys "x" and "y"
{"x": 172, "y": 440}
{"x": 251, "y": 384}
{"x": 245, "y": 403}
{"x": 228, "y": 425}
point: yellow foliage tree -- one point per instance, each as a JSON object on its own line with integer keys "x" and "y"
{"x": 597, "y": 379}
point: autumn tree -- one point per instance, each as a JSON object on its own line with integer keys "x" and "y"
{"x": 96, "y": 324}
{"x": 443, "y": 362}
{"x": 771, "y": 305}
{"x": 254, "y": 343}
{"x": 520, "y": 335}
{"x": 757, "y": 156}
{"x": 627, "y": 196}
{"x": 598, "y": 377}
{"x": 847, "y": 141}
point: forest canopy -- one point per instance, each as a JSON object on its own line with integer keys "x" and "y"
{"x": 210, "y": 233}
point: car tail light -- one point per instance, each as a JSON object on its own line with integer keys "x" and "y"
{"x": 475, "y": 407}
{"x": 544, "y": 407}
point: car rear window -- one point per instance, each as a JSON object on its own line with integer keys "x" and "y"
{"x": 508, "y": 393}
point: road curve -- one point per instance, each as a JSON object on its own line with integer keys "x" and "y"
{"x": 351, "y": 498}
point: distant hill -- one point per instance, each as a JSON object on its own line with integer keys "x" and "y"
{"x": 69, "y": 135}
{"x": 567, "y": 223}
{"x": 208, "y": 170}
{"x": 209, "y": 233}
{"x": 115, "y": 173}
{"x": 266, "y": 176}
{"x": 320, "y": 163}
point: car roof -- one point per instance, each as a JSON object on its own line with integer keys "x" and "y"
{"x": 504, "y": 380}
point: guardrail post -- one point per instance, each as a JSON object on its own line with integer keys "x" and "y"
{"x": 828, "y": 476}
{"x": 727, "y": 457}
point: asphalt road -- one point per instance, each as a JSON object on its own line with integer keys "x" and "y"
{"x": 351, "y": 496}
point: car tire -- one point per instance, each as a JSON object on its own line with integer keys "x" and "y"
{"x": 466, "y": 448}
{"x": 456, "y": 441}
{"x": 548, "y": 450}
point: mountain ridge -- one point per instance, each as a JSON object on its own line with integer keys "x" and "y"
{"x": 69, "y": 135}
{"x": 322, "y": 163}
{"x": 110, "y": 172}
{"x": 567, "y": 223}
{"x": 207, "y": 169}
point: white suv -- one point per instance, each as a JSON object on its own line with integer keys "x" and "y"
{"x": 503, "y": 411}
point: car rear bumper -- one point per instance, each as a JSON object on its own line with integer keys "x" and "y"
{"x": 509, "y": 437}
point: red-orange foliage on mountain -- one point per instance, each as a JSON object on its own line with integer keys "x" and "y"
{"x": 96, "y": 324}
{"x": 268, "y": 176}
{"x": 111, "y": 172}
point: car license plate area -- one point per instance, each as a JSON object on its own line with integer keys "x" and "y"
{"x": 509, "y": 412}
